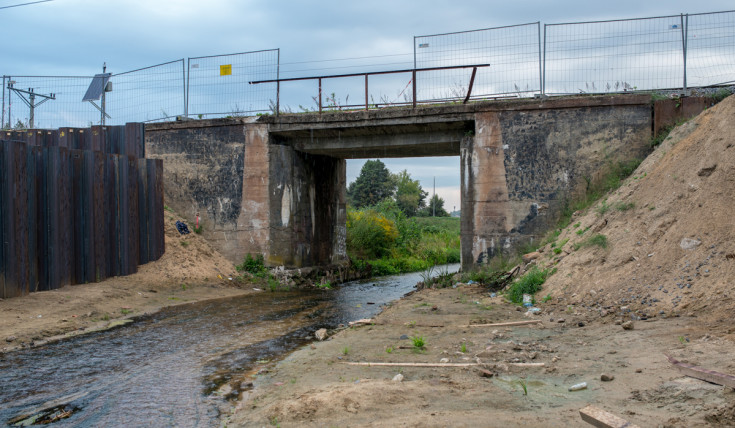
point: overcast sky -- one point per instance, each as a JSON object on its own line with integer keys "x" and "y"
{"x": 76, "y": 36}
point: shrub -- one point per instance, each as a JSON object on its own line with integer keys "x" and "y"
{"x": 369, "y": 233}
{"x": 530, "y": 283}
{"x": 254, "y": 265}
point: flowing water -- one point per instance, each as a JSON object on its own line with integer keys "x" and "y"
{"x": 169, "y": 369}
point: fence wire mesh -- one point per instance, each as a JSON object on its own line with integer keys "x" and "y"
{"x": 710, "y": 49}
{"x": 644, "y": 54}
{"x": 614, "y": 56}
{"x": 218, "y": 85}
{"x": 66, "y": 109}
{"x": 147, "y": 94}
{"x": 348, "y": 92}
{"x": 513, "y": 54}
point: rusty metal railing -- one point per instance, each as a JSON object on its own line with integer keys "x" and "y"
{"x": 413, "y": 72}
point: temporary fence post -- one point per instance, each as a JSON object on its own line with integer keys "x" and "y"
{"x": 184, "y": 82}
{"x": 2, "y": 121}
{"x": 366, "y": 92}
{"x": 278, "y": 83}
{"x": 540, "y": 76}
{"x": 413, "y": 80}
{"x": 320, "y": 95}
{"x": 188, "y": 88}
{"x": 543, "y": 69}
{"x": 684, "y": 36}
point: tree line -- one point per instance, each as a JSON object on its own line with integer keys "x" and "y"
{"x": 376, "y": 183}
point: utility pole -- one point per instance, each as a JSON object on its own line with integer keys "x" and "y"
{"x": 102, "y": 115}
{"x": 433, "y": 206}
{"x": 30, "y": 102}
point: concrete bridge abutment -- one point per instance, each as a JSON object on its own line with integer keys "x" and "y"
{"x": 276, "y": 185}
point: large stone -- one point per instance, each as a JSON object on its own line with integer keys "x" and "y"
{"x": 689, "y": 243}
{"x": 528, "y": 258}
{"x": 321, "y": 334}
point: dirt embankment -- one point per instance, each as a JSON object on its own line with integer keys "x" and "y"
{"x": 190, "y": 270}
{"x": 665, "y": 262}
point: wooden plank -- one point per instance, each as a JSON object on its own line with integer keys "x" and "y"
{"x": 504, "y": 324}
{"x": 15, "y": 219}
{"x": 32, "y": 181}
{"x": 351, "y": 363}
{"x": 65, "y": 248}
{"x": 602, "y": 419}
{"x": 133, "y": 239}
{"x": 110, "y": 215}
{"x": 156, "y": 193}
{"x": 3, "y": 223}
{"x": 703, "y": 374}
{"x": 77, "y": 217}
{"x": 48, "y": 240}
{"x": 135, "y": 140}
{"x": 144, "y": 252}
{"x": 98, "y": 216}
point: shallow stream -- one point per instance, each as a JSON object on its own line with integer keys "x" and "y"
{"x": 175, "y": 368}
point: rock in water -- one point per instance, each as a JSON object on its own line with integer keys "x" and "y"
{"x": 321, "y": 334}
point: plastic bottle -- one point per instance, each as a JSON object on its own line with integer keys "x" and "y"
{"x": 578, "y": 386}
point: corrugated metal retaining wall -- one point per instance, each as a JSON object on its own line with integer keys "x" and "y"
{"x": 77, "y": 206}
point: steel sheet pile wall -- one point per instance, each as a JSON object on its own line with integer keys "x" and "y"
{"x": 77, "y": 206}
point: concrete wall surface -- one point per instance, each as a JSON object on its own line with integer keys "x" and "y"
{"x": 275, "y": 185}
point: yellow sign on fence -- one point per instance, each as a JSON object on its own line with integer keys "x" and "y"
{"x": 225, "y": 70}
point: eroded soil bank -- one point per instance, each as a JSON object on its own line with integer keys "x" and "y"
{"x": 315, "y": 387}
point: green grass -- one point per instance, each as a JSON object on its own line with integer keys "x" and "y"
{"x": 581, "y": 232}
{"x": 522, "y": 383}
{"x": 624, "y": 206}
{"x": 419, "y": 342}
{"x": 389, "y": 350}
{"x": 597, "y": 240}
{"x": 530, "y": 283}
{"x": 345, "y": 350}
{"x": 463, "y": 348}
{"x": 615, "y": 173}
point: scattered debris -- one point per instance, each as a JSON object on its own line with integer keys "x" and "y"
{"x": 606, "y": 377}
{"x": 703, "y": 374}
{"x": 504, "y": 324}
{"x": 362, "y": 363}
{"x": 578, "y": 387}
{"x": 484, "y": 373}
{"x": 602, "y": 419}
{"x": 363, "y": 321}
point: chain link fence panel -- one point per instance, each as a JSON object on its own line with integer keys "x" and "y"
{"x": 513, "y": 52}
{"x": 218, "y": 85}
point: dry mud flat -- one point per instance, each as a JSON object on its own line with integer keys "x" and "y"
{"x": 190, "y": 270}
{"x": 315, "y": 387}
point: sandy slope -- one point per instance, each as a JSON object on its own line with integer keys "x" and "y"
{"x": 680, "y": 197}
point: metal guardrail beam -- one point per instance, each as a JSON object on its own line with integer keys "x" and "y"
{"x": 413, "y": 72}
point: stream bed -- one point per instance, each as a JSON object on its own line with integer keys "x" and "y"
{"x": 176, "y": 367}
